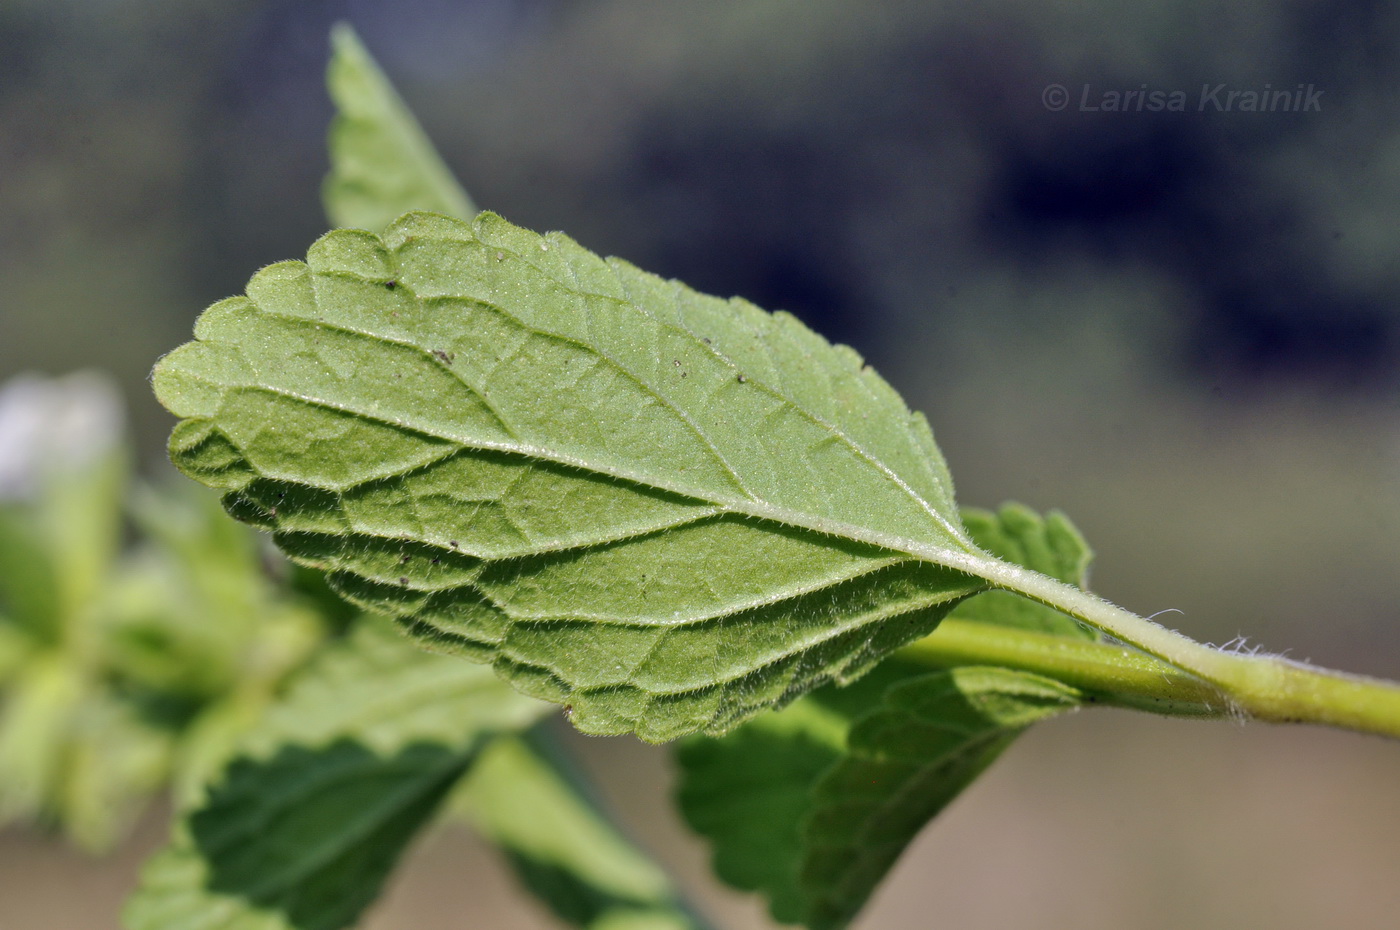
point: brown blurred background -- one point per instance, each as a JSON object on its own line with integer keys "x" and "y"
{"x": 1181, "y": 328}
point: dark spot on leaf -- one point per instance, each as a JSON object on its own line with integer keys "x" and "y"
{"x": 405, "y": 559}
{"x": 742, "y": 379}
{"x": 445, "y": 357}
{"x": 436, "y": 561}
{"x": 403, "y": 580}
{"x": 706, "y": 340}
{"x": 391, "y": 284}
{"x": 453, "y": 544}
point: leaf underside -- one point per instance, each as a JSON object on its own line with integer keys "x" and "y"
{"x": 665, "y": 510}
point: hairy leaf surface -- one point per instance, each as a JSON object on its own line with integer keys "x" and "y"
{"x": 382, "y": 164}
{"x": 666, "y": 510}
{"x": 305, "y": 824}
{"x": 561, "y": 846}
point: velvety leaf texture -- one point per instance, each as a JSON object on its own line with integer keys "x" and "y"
{"x": 303, "y": 827}
{"x": 664, "y": 510}
{"x": 382, "y": 164}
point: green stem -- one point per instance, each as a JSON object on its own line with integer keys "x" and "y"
{"x": 1187, "y": 678}
{"x": 1109, "y": 674}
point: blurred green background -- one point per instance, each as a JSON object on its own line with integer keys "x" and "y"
{"x": 1181, "y": 328}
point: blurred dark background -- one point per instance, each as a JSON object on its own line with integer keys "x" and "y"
{"x": 1183, "y": 328}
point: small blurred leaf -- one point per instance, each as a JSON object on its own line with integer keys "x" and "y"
{"x": 63, "y": 473}
{"x": 564, "y": 850}
{"x": 306, "y": 824}
{"x": 36, "y": 722}
{"x": 81, "y": 513}
{"x": 211, "y": 740}
{"x": 197, "y": 615}
{"x": 15, "y": 649}
{"x": 29, "y": 589}
{"x": 382, "y": 164}
{"x": 113, "y": 761}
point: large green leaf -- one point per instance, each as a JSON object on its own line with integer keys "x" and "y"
{"x": 305, "y": 824}
{"x": 382, "y": 164}
{"x": 562, "y": 847}
{"x": 665, "y": 510}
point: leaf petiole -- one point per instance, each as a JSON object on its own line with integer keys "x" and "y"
{"x": 1109, "y": 674}
{"x": 1177, "y": 676}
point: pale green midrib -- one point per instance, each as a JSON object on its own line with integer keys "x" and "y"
{"x": 862, "y": 569}
{"x": 696, "y": 341}
{"x": 971, "y": 561}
